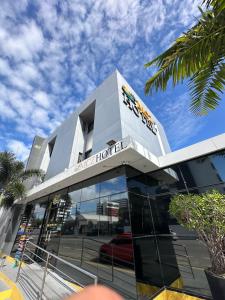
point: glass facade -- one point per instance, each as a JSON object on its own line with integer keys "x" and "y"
{"x": 117, "y": 225}
{"x": 167, "y": 254}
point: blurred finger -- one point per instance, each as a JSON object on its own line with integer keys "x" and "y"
{"x": 96, "y": 293}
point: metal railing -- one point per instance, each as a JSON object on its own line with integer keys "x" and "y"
{"x": 112, "y": 259}
{"x": 180, "y": 253}
{"x": 36, "y": 256}
{"x": 184, "y": 256}
{"x": 110, "y": 268}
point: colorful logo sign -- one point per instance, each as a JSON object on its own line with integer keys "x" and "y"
{"x": 138, "y": 109}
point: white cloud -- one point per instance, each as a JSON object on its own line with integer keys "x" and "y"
{"x": 19, "y": 83}
{"x": 168, "y": 39}
{"x": 18, "y": 148}
{"x": 40, "y": 118}
{"x": 23, "y": 42}
{"x": 5, "y": 69}
{"x": 6, "y": 111}
{"x": 28, "y": 71}
{"x": 52, "y": 59}
{"x": 22, "y": 106}
{"x": 42, "y": 99}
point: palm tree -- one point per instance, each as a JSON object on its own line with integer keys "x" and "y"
{"x": 199, "y": 55}
{"x": 12, "y": 177}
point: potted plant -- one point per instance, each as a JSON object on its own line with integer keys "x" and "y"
{"x": 205, "y": 213}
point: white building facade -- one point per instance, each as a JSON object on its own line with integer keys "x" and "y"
{"x": 109, "y": 177}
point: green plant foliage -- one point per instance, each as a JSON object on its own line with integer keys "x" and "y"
{"x": 12, "y": 177}
{"x": 198, "y": 55}
{"x": 205, "y": 214}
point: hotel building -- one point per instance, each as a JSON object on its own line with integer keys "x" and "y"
{"x": 103, "y": 204}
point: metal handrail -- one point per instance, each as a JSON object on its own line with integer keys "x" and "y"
{"x": 108, "y": 255}
{"x": 111, "y": 258}
{"x": 46, "y": 269}
{"x": 66, "y": 262}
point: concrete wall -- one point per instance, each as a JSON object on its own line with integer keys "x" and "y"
{"x": 36, "y": 154}
{"x": 60, "y": 158}
{"x": 113, "y": 120}
{"x": 107, "y": 124}
{"x": 9, "y": 223}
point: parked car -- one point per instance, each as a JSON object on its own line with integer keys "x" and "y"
{"x": 119, "y": 250}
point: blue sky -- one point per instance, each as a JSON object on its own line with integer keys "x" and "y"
{"x": 54, "y": 53}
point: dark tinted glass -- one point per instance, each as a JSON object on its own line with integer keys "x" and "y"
{"x": 204, "y": 171}
{"x": 183, "y": 257}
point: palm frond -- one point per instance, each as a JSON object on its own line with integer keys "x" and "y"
{"x": 205, "y": 86}
{"x": 12, "y": 176}
{"x": 6, "y": 200}
{"x": 16, "y": 189}
{"x": 30, "y": 173}
{"x": 201, "y": 46}
{"x": 7, "y": 160}
{"x": 218, "y": 5}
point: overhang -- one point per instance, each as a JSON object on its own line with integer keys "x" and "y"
{"x": 132, "y": 154}
{"x": 127, "y": 152}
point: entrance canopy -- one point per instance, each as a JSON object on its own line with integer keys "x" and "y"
{"x": 124, "y": 152}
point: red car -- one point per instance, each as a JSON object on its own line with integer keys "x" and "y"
{"x": 119, "y": 249}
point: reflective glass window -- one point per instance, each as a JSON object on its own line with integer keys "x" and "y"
{"x": 204, "y": 171}
{"x": 36, "y": 220}
{"x": 113, "y": 186}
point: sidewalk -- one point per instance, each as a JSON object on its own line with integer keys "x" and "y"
{"x": 8, "y": 288}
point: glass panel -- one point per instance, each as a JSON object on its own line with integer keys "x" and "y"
{"x": 90, "y": 192}
{"x": 94, "y": 232}
{"x": 113, "y": 186}
{"x": 204, "y": 171}
{"x": 114, "y": 215}
{"x": 180, "y": 250}
{"x": 141, "y": 218}
{"x": 218, "y": 163}
{"x": 182, "y": 256}
{"x": 147, "y": 263}
{"x": 56, "y": 215}
{"x": 32, "y": 220}
{"x": 24, "y": 227}
{"x": 164, "y": 181}
{"x": 36, "y": 220}
{"x": 97, "y": 236}
{"x": 136, "y": 181}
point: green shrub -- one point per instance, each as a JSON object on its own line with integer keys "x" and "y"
{"x": 204, "y": 213}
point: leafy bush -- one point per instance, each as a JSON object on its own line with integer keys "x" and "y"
{"x": 204, "y": 213}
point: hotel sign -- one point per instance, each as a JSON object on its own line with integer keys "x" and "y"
{"x": 138, "y": 109}
{"x": 102, "y": 155}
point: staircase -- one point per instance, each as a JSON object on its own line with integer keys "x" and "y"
{"x": 40, "y": 277}
{"x": 44, "y": 276}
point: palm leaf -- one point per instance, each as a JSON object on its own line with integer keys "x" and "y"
{"x": 7, "y": 160}
{"x": 16, "y": 189}
{"x": 205, "y": 86}
{"x": 12, "y": 176}
{"x": 218, "y": 5}
{"x": 6, "y": 200}
{"x": 191, "y": 56}
{"x": 30, "y": 173}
